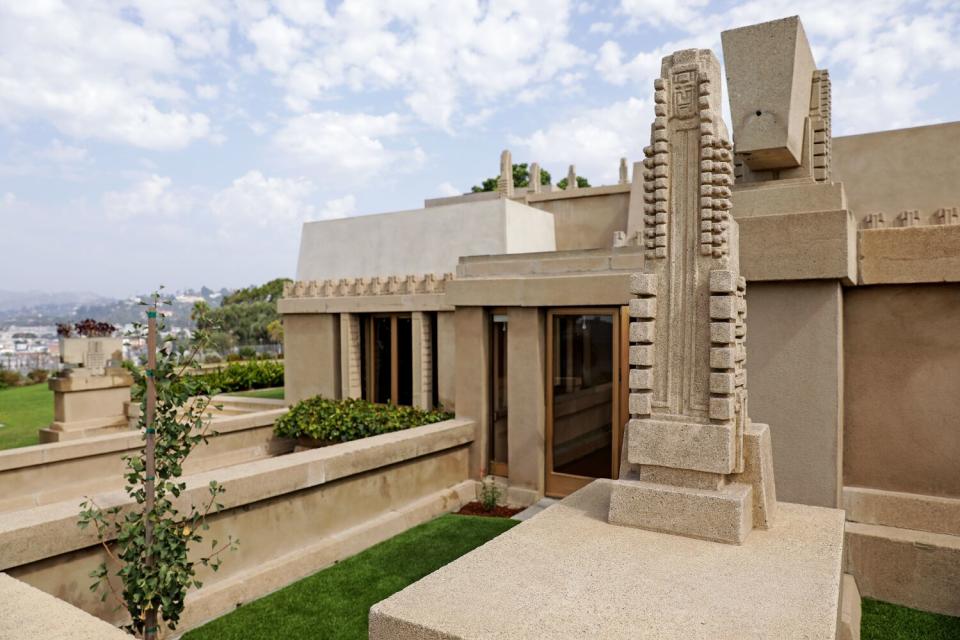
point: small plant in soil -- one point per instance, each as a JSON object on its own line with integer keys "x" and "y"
{"x": 488, "y": 493}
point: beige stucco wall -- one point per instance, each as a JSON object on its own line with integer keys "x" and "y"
{"x": 902, "y": 392}
{"x": 311, "y": 356}
{"x": 795, "y": 381}
{"x": 892, "y": 171}
{"x": 420, "y": 241}
{"x": 587, "y": 222}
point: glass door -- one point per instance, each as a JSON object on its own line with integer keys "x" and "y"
{"x": 498, "y": 394}
{"x": 583, "y": 397}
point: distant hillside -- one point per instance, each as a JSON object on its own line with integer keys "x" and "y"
{"x": 16, "y": 300}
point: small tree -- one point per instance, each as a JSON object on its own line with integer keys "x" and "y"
{"x": 581, "y": 182}
{"x": 153, "y": 538}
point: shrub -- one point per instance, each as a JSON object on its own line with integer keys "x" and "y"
{"x": 488, "y": 494}
{"x": 212, "y": 358}
{"x": 333, "y": 421}
{"x": 247, "y": 353}
{"x": 243, "y": 376}
{"x": 234, "y": 357}
{"x": 9, "y": 378}
{"x": 37, "y": 376}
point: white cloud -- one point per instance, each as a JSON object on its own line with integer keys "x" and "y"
{"x": 337, "y": 208}
{"x": 446, "y": 189}
{"x": 255, "y": 200}
{"x": 7, "y": 199}
{"x": 94, "y": 73}
{"x": 152, "y": 196}
{"x": 438, "y": 53}
{"x": 601, "y": 27}
{"x": 62, "y": 153}
{"x": 658, "y": 12}
{"x": 208, "y": 91}
{"x": 887, "y": 59}
{"x": 348, "y": 144}
{"x": 594, "y": 140}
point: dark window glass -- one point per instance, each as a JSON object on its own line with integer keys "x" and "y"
{"x": 381, "y": 359}
{"x": 498, "y": 389}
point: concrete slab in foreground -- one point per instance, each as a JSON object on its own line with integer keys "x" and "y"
{"x": 569, "y": 574}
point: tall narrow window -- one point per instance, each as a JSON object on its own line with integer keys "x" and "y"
{"x": 498, "y": 394}
{"x": 387, "y": 358}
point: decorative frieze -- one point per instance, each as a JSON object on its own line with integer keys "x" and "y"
{"x": 947, "y": 215}
{"x": 820, "y": 108}
{"x": 873, "y": 221}
{"x": 376, "y": 286}
{"x": 910, "y": 218}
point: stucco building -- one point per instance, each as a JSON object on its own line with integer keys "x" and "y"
{"x": 510, "y": 308}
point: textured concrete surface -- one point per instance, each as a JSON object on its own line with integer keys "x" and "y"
{"x": 910, "y": 254}
{"x": 850, "y": 609}
{"x": 569, "y": 574}
{"x": 916, "y": 569}
{"x": 536, "y": 508}
{"x": 28, "y": 613}
{"x": 902, "y": 510}
{"x": 724, "y": 515}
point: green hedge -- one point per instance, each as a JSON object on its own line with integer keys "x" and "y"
{"x": 333, "y": 421}
{"x": 243, "y": 376}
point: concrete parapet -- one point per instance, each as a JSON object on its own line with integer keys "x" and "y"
{"x": 27, "y": 612}
{"x": 915, "y": 569}
{"x": 293, "y": 514}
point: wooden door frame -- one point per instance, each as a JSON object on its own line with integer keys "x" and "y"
{"x": 562, "y": 484}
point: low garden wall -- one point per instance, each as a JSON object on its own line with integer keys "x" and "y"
{"x": 47, "y": 473}
{"x": 293, "y": 515}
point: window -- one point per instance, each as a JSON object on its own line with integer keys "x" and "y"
{"x": 498, "y": 394}
{"x": 386, "y": 358}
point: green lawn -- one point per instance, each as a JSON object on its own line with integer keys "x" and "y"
{"x": 333, "y": 604}
{"x": 274, "y": 393}
{"x": 23, "y": 410}
{"x": 884, "y": 621}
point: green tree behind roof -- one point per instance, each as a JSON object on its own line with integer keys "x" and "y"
{"x": 521, "y": 178}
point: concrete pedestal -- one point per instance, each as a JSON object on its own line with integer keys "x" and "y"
{"x": 568, "y": 573}
{"x": 87, "y": 405}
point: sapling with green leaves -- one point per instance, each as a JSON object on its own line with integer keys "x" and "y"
{"x": 148, "y": 543}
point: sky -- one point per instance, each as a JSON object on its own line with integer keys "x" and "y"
{"x": 184, "y": 142}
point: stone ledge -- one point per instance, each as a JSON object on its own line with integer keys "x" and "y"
{"x": 915, "y": 569}
{"x": 27, "y": 612}
{"x": 904, "y": 255}
{"x": 50, "y": 530}
{"x": 568, "y": 573}
{"x": 360, "y": 304}
{"x": 902, "y": 510}
{"x": 102, "y": 444}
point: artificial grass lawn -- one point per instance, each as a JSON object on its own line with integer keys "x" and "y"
{"x": 334, "y": 603}
{"x": 884, "y": 621}
{"x": 274, "y": 393}
{"x": 23, "y": 410}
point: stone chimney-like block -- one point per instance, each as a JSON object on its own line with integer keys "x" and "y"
{"x": 769, "y": 69}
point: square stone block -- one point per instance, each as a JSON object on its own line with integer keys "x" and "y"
{"x": 724, "y": 515}
{"x": 682, "y": 445}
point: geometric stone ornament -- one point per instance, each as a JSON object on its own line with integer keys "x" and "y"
{"x": 505, "y": 180}
{"x": 781, "y": 108}
{"x": 692, "y": 463}
{"x": 874, "y": 221}
{"x": 572, "y": 178}
{"x": 770, "y": 72}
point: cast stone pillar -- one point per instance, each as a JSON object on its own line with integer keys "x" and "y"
{"x": 694, "y": 464}
{"x": 422, "y": 361}
{"x": 350, "y": 366}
